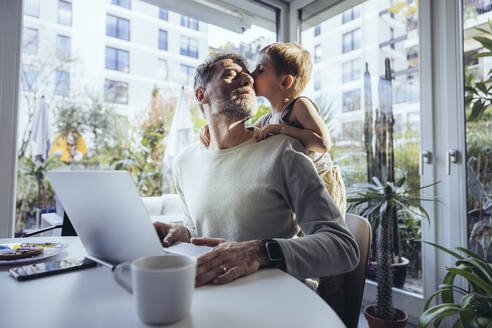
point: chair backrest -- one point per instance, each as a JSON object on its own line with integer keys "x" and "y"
{"x": 354, "y": 281}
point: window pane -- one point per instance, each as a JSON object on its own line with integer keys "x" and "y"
{"x": 357, "y": 37}
{"x": 123, "y": 61}
{"x": 123, "y": 29}
{"x": 63, "y": 46}
{"x": 317, "y": 53}
{"x": 162, "y": 40}
{"x": 317, "y": 30}
{"x": 111, "y": 25}
{"x": 62, "y": 83}
{"x": 31, "y": 8}
{"x": 30, "y": 40}
{"x": 65, "y": 13}
{"x": 478, "y": 127}
{"x": 110, "y": 58}
{"x": 116, "y": 92}
{"x": 163, "y": 14}
{"x": 121, "y": 3}
{"x": 28, "y": 80}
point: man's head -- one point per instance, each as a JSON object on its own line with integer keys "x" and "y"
{"x": 288, "y": 64}
{"x": 224, "y": 86}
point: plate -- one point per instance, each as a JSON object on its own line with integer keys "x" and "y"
{"x": 50, "y": 250}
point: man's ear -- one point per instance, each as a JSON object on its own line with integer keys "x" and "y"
{"x": 287, "y": 81}
{"x": 200, "y": 96}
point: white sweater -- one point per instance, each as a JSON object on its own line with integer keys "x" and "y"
{"x": 251, "y": 191}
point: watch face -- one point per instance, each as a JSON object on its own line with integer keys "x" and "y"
{"x": 274, "y": 251}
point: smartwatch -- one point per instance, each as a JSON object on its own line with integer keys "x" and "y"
{"x": 274, "y": 254}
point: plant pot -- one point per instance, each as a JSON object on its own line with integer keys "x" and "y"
{"x": 374, "y": 322}
{"x": 399, "y": 272}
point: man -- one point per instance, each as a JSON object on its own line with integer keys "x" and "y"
{"x": 247, "y": 192}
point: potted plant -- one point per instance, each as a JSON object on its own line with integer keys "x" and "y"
{"x": 475, "y": 306}
{"x": 384, "y": 201}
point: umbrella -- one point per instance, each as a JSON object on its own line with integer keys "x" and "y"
{"x": 180, "y": 135}
{"x": 41, "y": 134}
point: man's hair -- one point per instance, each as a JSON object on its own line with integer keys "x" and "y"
{"x": 205, "y": 71}
{"x": 291, "y": 58}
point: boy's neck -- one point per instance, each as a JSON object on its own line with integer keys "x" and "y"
{"x": 279, "y": 101}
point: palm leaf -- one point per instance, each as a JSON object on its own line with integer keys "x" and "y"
{"x": 473, "y": 278}
{"x": 438, "y": 312}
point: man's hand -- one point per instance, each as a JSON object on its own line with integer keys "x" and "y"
{"x": 205, "y": 135}
{"x": 169, "y": 234}
{"x": 267, "y": 130}
{"x": 228, "y": 260}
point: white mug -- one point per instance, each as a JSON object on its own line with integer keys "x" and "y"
{"x": 162, "y": 286}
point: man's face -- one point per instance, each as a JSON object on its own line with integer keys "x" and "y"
{"x": 230, "y": 91}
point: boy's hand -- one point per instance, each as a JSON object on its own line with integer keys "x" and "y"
{"x": 205, "y": 135}
{"x": 270, "y": 129}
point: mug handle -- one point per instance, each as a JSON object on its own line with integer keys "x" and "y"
{"x": 122, "y": 275}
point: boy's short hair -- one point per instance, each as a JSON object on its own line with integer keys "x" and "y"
{"x": 293, "y": 59}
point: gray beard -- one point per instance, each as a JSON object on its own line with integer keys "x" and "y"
{"x": 238, "y": 107}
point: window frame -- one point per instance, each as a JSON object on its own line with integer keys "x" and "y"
{"x": 162, "y": 32}
{"x": 28, "y": 4}
{"x": 35, "y": 40}
{"x": 162, "y": 16}
{"x": 117, "y": 62}
{"x": 118, "y": 3}
{"x": 117, "y": 27}
{"x": 347, "y": 95}
{"x": 58, "y": 80}
{"x": 67, "y": 52}
{"x": 118, "y": 83}
{"x": 58, "y": 20}
{"x": 351, "y": 33}
{"x": 188, "y": 41}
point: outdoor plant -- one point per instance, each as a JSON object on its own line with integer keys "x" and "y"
{"x": 474, "y": 308}
{"x": 384, "y": 201}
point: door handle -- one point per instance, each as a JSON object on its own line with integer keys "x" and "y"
{"x": 425, "y": 157}
{"x": 451, "y": 157}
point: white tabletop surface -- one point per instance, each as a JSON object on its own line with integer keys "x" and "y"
{"x": 91, "y": 298}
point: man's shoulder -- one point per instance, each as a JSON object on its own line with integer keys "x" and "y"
{"x": 284, "y": 142}
{"x": 187, "y": 152}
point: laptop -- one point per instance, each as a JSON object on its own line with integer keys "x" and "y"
{"x": 109, "y": 216}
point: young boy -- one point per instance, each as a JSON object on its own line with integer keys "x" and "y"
{"x": 282, "y": 73}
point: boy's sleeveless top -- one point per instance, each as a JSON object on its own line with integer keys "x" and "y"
{"x": 322, "y": 161}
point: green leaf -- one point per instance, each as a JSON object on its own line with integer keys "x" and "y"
{"x": 447, "y": 295}
{"x": 483, "y": 54}
{"x": 486, "y": 42}
{"x": 476, "y": 111}
{"x": 438, "y": 312}
{"x": 490, "y": 24}
{"x": 470, "y": 89}
{"x": 482, "y": 87}
{"x": 473, "y": 278}
{"x": 467, "y": 318}
{"x": 444, "y": 249}
{"x": 479, "y": 267}
{"x": 482, "y": 30}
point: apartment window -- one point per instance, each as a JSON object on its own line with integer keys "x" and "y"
{"x": 162, "y": 40}
{"x": 317, "y": 81}
{"x": 30, "y": 40}
{"x": 118, "y": 27}
{"x": 350, "y": 15}
{"x": 117, "y": 59}
{"x": 317, "y": 53}
{"x": 188, "y": 72}
{"x": 163, "y": 14}
{"x": 121, "y": 3}
{"x": 31, "y": 8}
{"x": 161, "y": 69}
{"x": 189, "y": 47}
{"x": 351, "y": 70}
{"x": 62, "y": 83}
{"x": 189, "y": 22}
{"x": 351, "y": 101}
{"x": 63, "y": 46}
{"x": 116, "y": 92}
{"x": 65, "y": 13}
{"x": 351, "y": 41}
{"x": 28, "y": 80}
{"x": 317, "y": 30}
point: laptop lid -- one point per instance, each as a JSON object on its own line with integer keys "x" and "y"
{"x": 108, "y": 214}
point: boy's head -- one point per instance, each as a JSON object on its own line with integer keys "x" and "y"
{"x": 286, "y": 59}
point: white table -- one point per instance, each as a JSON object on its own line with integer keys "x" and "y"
{"x": 91, "y": 298}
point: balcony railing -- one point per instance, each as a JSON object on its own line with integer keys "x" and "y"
{"x": 481, "y": 6}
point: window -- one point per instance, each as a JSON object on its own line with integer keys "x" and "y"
{"x": 62, "y": 82}
{"x": 161, "y": 69}
{"x": 28, "y": 80}
{"x": 317, "y": 53}
{"x": 116, "y": 92}
{"x": 317, "y": 30}
{"x": 118, "y": 27}
{"x": 352, "y": 131}
{"x": 163, "y": 14}
{"x": 31, "y": 8}
{"x": 350, "y": 15}
{"x": 351, "y": 41}
{"x": 317, "y": 81}
{"x": 117, "y": 59}
{"x": 189, "y": 47}
{"x": 189, "y": 22}
{"x": 162, "y": 40}
{"x": 65, "y": 13}
{"x": 121, "y": 3}
{"x": 351, "y": 70}
{"x": 63, "y": 46}
{"x": 30, "y": 40}
{"x": 351, "y": 101}
{"x": 188, "y": 73}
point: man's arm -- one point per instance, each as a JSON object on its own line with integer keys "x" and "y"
{"x": 328, "y": 248}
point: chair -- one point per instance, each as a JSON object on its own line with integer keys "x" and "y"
{"x": 348, "y": 308}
